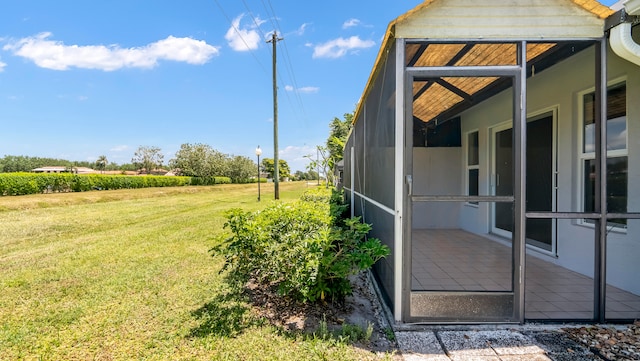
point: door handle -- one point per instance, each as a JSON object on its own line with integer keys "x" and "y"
{"x": 409, "y": 181}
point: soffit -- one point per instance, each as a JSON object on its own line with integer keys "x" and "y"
{"x": 432, "y": 97}
{"x": 531, "y": 20}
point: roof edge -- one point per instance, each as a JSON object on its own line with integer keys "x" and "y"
{"x": 593, "y": 6}
{"x": 377, "y": 66}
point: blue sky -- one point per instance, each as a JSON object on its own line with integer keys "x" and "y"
{"x": 80, "y": 79}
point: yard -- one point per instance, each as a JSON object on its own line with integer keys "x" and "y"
{"x": 127, "y": 274}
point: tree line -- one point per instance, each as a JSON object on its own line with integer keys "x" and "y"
{"x": 201, "y": 160}
{"x": 21, "y": 163}
{"x": 192, "y": 160}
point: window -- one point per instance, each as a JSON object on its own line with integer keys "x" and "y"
{"x": 617, "y": 160}
{"x": 473, "y": 165}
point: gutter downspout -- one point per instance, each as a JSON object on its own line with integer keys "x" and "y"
{"x": 620, "y": 37}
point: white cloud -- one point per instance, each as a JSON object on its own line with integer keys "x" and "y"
{"x": 295, "y": 156}
{"x": 244, "y": 39}
{"x": 119, "y": 148}
{"x": 340, "y": 47}
{"x": 350, "y": 23}
{"x": 309, "y": 89}
{"x": 304, "y": 89}
{"x": 300, "y": 31}
{"x": 56, "y": 55}
{"x": 2, "y": 66}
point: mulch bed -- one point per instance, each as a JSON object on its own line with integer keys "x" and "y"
{"x": 362, "y": 309}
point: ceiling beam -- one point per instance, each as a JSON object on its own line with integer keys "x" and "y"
{"x": 418, "y": 54}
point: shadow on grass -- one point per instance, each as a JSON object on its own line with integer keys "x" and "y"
{"x": 226, "y": 315}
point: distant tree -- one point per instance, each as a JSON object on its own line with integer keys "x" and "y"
{"x": 125, "y": 167}
{"x": 199, "y": 160}
{"x": 283, "y": 168}
{"x": 328, "y": 156}
{"x": 338, "y": 133}
{"x": 12, "y": 163}
{"x": 147, "y": 158}
{"x": 320, "y": 160}
{"x": 83, "y": 163}
{"x": 310, "y": 175}
{"x": 101, "y": 163}
{"x": 21, "y": 163}
{"x": 267, "y": 167}
{"x": 240, "y": 169}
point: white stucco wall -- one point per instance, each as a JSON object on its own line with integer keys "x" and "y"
{"x": 557, "y": 89}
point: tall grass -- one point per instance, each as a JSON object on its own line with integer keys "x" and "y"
{"x": 126, "y": 275}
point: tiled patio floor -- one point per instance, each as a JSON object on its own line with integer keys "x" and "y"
{"x": 455, "y": 260}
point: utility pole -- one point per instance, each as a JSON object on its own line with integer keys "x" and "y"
{"x": 276, "y": 172}
{"x": 318, "y": 162}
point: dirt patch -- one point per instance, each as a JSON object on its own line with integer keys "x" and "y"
{"x": 362, "y": 309}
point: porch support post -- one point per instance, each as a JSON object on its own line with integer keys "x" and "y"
{"x": 600, "y": 257}
{"x": 400, "y": 305}
{"x": 520, "y": 181}
{"x": 352, "y": 160}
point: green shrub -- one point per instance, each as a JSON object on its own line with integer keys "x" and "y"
{"x": 209, "y": 181}
{"x": 222, "y": 180}
{"x": 305, "y": 248}
{"x": 14, "y": 184}
{"x": 318, "y": 194}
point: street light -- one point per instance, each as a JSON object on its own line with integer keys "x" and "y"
{"x": 258, "y": 152}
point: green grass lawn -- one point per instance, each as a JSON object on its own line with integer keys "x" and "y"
{"x": 126, "y": 275}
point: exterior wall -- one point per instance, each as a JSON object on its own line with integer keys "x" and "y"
{"x": 557, "y": 89}
{"x": 436, "y": 172}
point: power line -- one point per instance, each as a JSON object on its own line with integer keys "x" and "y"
{"x": 255, "y": 21}
{"x": 288, "y": 64}
{"x": 241, "y": 37}
{"x": 271, "y": 15}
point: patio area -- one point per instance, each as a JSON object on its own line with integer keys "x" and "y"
{"x": 455, "y": 260}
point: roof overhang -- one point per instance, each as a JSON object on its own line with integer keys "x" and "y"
{"x": 471, "y": 33}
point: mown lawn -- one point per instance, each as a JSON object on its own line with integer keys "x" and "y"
{"x": 127, "y": 275}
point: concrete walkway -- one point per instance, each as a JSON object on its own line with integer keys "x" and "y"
{"x": 513, "y": 344}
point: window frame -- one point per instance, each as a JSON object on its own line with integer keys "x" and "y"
{"x": 584, "y": 156}
{"x": 470, "y": 167}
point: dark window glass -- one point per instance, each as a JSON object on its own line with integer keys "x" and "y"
{"x": 472, "y": 150}
{"x": 473, "y": 182}
{"x": 616, "y": 187}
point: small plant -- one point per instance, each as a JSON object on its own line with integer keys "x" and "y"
{"x": 369, "y": 332}
{"x": 307, "y": 249}
{"x": 356, "y": 333}
{"x": 323, "y": 330}
{"x": 347, "y": 333}
{"x": 388, "y": 332}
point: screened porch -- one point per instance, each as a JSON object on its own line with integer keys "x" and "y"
{"x": 493, "y": 152}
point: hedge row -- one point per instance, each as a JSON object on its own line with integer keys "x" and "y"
{"x": 14, "y": 184}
